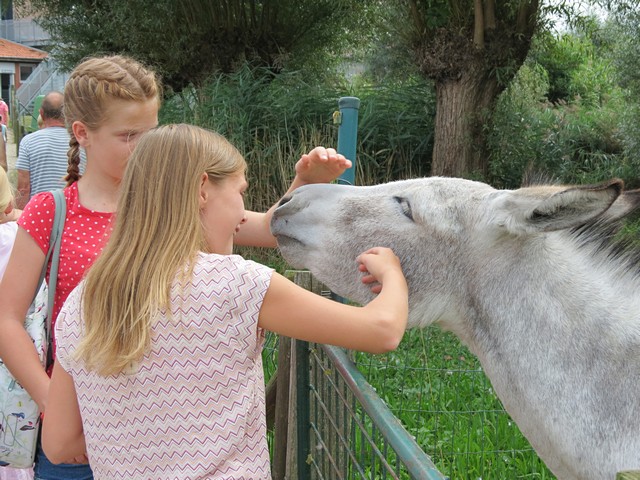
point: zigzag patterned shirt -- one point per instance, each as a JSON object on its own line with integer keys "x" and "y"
{"x": 193, "y": 408}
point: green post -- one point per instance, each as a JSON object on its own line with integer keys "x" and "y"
{"x": 347, "y": 135}
{"x": 302, "y": 408}
{"x": 347, "y": 117}
{"x": 628, "y": 475}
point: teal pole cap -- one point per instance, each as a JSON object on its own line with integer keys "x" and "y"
{"x": 349, "y": 102}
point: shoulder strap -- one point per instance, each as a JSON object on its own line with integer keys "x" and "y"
{"x": 56, "y": 234}
{"x": 54, "y": 242}
{"x": 54, "y": 254}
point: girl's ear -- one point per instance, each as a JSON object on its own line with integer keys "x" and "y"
{"x": 81, "y": 132}
{"x": 204, "y": 193}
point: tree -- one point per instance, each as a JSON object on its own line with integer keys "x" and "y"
{"x": 188, "y": 41}
{"x": 470, "y": 49}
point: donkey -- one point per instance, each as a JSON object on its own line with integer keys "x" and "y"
{"x": 525, "y": 278}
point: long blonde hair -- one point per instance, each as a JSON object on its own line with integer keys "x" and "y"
{"x": 157, "y": 235}
{"x": 92, "y": 85}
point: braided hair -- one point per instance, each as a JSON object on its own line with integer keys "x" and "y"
{"x": 95, "y": 82}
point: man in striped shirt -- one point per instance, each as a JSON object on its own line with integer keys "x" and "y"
{"x": 42, "y": 156}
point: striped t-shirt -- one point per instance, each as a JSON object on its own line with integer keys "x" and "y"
{"x": 193, "y": 408}
{"x": 43, "y": 154}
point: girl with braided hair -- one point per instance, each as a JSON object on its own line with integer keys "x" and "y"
{"x": 110, "y": 102}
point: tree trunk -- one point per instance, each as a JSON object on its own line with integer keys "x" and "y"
{"x": 463, "y": 106}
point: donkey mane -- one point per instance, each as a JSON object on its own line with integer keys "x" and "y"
{"x": 600, "y": 239}
{"x": 609, "y": 246}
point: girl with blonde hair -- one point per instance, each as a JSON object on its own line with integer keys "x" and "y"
{"x": 159, "y": 371}
{"x": 110, "y": 102}
{"x": 8, "y": 217}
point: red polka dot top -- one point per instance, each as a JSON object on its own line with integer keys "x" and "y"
{"x": 84, "y": 236}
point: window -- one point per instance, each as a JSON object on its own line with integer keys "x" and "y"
{"x": 25, "y": 70}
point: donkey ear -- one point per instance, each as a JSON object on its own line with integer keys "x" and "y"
{"x": 546, "y": 209}
{"x": 624, "y": 205}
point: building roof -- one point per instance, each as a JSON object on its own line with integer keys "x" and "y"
{"x": 14, "y": 51}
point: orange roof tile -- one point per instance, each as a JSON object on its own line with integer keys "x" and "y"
{"x": 12, "y": 50}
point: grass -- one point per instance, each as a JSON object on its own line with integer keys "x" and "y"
{"x": 438, "y": 390}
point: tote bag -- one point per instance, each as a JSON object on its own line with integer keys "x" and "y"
{"x": 19, "y": 413}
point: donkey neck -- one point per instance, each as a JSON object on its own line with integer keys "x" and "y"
{"x": 552, "y": 325}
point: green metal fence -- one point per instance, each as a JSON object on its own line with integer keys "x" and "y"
{"x": 329, "y": 422}
{"x": 353, "y": 434}
{"x": 440, "y": 393}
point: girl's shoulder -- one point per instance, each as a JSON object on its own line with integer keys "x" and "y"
{"x": 38, "y": 214}
{"x": 214, "y": 261}
{"x": 44, "y": 202}
{"x": 230, "y": 273}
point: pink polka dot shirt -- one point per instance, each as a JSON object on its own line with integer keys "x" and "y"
{"x": 84, "y": 236}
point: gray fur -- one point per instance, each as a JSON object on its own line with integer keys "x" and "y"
{"x": 553, "y": 318}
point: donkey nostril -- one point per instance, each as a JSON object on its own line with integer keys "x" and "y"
{"x": 284, "y": 200}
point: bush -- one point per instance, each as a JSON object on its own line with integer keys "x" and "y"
{"x": 574, "y": 142}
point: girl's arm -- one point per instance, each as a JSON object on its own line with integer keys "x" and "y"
{"x": 320, "y": 165}
{"x": 377, "y": 327}
{"x": 62, "y": 433}
{"x": 16, "y": 294}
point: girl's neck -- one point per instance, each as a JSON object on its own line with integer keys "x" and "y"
{"x": 99, "y": 194}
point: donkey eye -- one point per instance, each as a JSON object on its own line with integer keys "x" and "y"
{"x": 405, "y": 206}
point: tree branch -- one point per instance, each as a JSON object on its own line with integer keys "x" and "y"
{"x": 417, "y": 17}
{"x": 527, "y": 16}
{"x": 489, "y": 14}
{"x": 478, "y": 26}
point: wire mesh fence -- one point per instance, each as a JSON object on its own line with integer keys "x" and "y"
{"x": 352, "y": 433}
{"x": 438, "y": 391}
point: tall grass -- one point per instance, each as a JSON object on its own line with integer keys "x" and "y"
{"x": 273, "y": 120}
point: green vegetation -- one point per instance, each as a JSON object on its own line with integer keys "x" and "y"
{"x": 190, "y": 40}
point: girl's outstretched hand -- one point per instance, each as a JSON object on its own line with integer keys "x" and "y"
{"x": 321, "y": 165}
{"x": 377, "y": 264}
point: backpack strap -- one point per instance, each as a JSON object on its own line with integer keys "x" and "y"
{"x": 54, "y": 254}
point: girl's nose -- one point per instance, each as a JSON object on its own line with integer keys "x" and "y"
{"x": 243, "y": 221}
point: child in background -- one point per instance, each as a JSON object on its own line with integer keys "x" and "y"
{"x": 110, "y": 102}
{"x": 8, "y": 229}
{"x": 8, "y": 217}
{"x": 4, "y": 130}
{"x": 159, "y": 371}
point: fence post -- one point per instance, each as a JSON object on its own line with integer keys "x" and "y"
{"x": 282, "y": 408}
{"x": 347, "y": 118}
